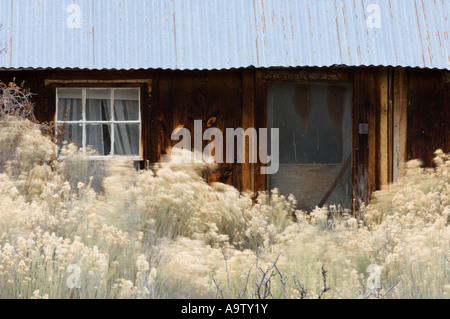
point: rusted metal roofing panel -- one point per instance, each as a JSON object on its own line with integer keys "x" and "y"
{"x": 218, "y": 34}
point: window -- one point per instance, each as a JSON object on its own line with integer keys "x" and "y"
{"x": 315, "y": 131}
{"x": 108, "y": 121}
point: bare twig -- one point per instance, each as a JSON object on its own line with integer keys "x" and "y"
{"x": 331, "y": 225}
{"x": 226, "y": 257}
{"x": 369, "y": 293}
{"x": 265, "y": 282}
{"x": 300, "y": 288}
{"x": 219, "y": 290}
{"x": 242, "y": 295}
{"x": 15, "y": 101}
{"x": 377, "y": 291}
{"x": 283, "y": 282}
{"x": 325, "y": 288}
{"x": 263, "y": 278}
{"x": 392, "y": 287}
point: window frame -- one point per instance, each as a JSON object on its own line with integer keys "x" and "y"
{"x": 111, "y": 122}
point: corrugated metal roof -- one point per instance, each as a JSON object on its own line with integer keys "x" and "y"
{"x": 217, "y": 34}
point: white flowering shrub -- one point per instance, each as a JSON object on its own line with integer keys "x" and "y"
{"x": 166, "y": 233}
{"x": 52, "y": 217}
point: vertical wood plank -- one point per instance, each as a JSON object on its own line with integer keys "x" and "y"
{"x": 390, "y": 125}
{"x": 165, "y": 118}
{"x": 248, "y": 121}
{"x": 364, "y": 157}
{"x": 182, "y": 100}
{"x": 235, "y": 93}
{"x": 400, "y": 106}
{"x": 150, "y": 123}
{"x": 383, "y": 133}
{"x": 260, "y": 122}
{"x": 372, "y": 90}
{"x": 222, "y": 93}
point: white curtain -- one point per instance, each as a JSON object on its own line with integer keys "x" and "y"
{"x": 126, "y": 136}
{"x": 71, "y": 109}
{"x": 98, "y": 136}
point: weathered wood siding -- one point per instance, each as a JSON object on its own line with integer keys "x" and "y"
{"x": 182, "y": 97}
{"x": 407, "y": 111}
{"x": 428, "y": 114}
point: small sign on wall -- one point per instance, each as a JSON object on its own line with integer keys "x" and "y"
{"x": 363, "y": 128}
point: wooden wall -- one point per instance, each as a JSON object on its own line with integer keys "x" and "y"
{"x": 406, "y": 111}
{"x": 428, "y": 114}
{"x": 180, "y": 98}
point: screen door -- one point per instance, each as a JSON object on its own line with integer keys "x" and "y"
{"x": 315, "y": 140}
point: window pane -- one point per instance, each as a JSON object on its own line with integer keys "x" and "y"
{"x": 126, "y": 94}
{"x": 98, "y": 138}
{"x": 98, "y": 94}
{"x": 70, "y": 105}
{"x": 98, "y": 105}
{"x": 98, "y": 110}
{"x": 314, "y": 121}
{"x": 73, "y": 133}
{"x": 126, "y": 104}
{"x": 126, "y": 139}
